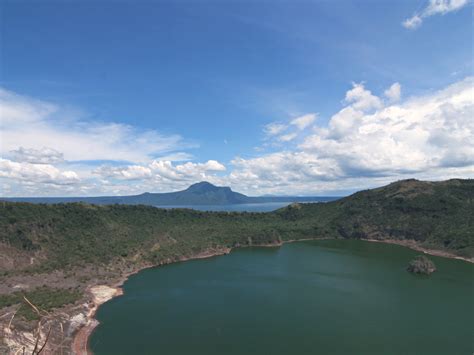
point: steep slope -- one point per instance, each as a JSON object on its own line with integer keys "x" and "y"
{"x": 435, "y": 214}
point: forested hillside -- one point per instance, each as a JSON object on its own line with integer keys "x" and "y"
{"x": 439, "y": 215}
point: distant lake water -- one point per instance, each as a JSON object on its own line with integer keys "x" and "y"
{"x": 318, "y": 297}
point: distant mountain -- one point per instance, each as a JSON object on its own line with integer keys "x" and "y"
{"x": 202, "y": 193}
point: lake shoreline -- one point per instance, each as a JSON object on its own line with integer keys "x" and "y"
{"x": 80, "y": 344}
{"x": 411, "y": 244}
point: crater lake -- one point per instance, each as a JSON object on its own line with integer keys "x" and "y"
{"x": 314, "y": 297}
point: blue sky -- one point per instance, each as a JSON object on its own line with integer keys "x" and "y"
{"x": 124, "y": 97}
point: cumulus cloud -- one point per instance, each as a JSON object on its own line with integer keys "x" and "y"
{"x": 47, "y": 147}
{"x": 430, "y": 136}
{"x": 213, "y": 165}
{"x": 36, "y": 173}
{"x": 283, "y": 167}
{"x": 35, "y": 124}
{"x": 435, "y": 7}
{"x": 370, "y": 141}
{"x": 419, "y": 134}
{"x": 362, "y": 99}
{"x": 131, "y": 172}
{"x": 162, "y": 170}
{"x": 394, "y": 92}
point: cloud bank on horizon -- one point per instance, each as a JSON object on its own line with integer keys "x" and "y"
{"x": 373, "y": 139}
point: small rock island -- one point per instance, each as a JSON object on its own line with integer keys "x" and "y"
{"x": 421, "y": 265}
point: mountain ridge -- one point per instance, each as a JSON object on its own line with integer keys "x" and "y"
{"x": 201, "y": 193}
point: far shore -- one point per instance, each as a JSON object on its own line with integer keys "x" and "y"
{"x": 80, "y": 345}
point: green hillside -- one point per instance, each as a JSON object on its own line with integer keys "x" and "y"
{"x": 437, "y": 215}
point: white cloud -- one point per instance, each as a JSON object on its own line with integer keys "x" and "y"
{"x": 291, "y": 130}
{"x": 272, "y": 129}
{"x": 16, "y": 109}
{"x": 131, "y": 172}
{"x": 36, "y": 173}
{"x": 162, "y": 170}
{"x": 304, "y": 121}
{"x": 435, "y": 7}
{"x": 283, "y": 167}
{"x": 43, "y": 155}
{"x": 430, "y": 136}
{"x": 394, "y": 92}
{"x": 362, "y": 99}
{"x": 444, "y": 6}
{"x": 368, "y": 142}
{"x": 287, "y": 137}
{"x": 213, "y": 165}
{"x": 419, "y": 134}
{"x": 343, "y": 122}
{"x": 35, "y": 124}
{"x": 413, "y": 22}
{"x": 47, "y": 147}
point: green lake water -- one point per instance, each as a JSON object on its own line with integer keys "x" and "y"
{"x": 322, "y": 297}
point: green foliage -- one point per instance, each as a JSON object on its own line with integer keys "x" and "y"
{"x": 440, "y": 215}
{"x": 44, "y": 298}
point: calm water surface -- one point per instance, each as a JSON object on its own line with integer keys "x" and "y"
{"x": 325, "y": 297}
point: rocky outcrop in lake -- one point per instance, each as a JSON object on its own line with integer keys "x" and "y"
{"x": 421, "y": 265}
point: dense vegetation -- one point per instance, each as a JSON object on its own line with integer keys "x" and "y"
{"x": 438, "y": 215}
{"x": 45, "y": 299}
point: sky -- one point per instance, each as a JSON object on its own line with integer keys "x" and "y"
{"x": 269, "y": 97}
